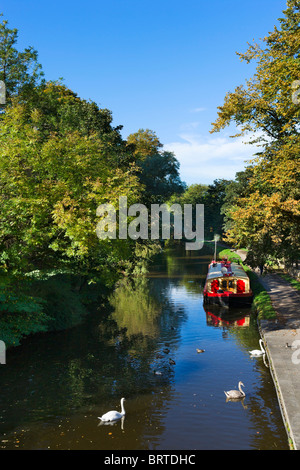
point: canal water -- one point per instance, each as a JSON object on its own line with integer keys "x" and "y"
{"x": 144, "y": 348}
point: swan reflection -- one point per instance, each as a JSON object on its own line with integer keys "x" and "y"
{"x": 241, "y": 400}
{"x": 113, "y": 423}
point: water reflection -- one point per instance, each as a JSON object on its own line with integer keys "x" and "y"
{"x": 113, "y": 423}
{"x": 136, "y": 308}
{"x": 143, "y": 347}
{"x": 222, "y": 317}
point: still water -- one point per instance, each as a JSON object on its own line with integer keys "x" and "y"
{"x": 54, "y": 386}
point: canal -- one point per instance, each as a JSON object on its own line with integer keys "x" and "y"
{"x": 144, "y": 348}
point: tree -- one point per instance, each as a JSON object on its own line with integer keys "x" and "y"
{"x": 266, "y": 218}
{"x": 20, "y": 71}
{"x": 194, "y": 194}
{"x": 57, "y": 109}
{"x": 212, "y": 197}
{"x": 265, "y": 104}
{"x": 234, "y": 191}
{"x": 160, "y": 176}
{"x": 144, "y": 143}
{"x": 214, "y": 200}
{"x": 159, "y": 170}
{"x": 52, "y": 179}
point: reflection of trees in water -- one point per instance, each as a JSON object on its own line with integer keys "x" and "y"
{"x": 108, "y": 356}
{"x": 122, "y": 354}
{"x": 136, "y": 308}
{"x": 190, "y": 268}
{"x": 143, "y": 307}
{"x": 143, "y": 316}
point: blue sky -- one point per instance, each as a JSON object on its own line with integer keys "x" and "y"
{"x": 161, "y": 65}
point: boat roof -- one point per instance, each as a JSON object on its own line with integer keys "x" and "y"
{"x": 232, "y": 270}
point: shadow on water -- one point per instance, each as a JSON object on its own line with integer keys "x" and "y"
{"x": 144, "y": 347}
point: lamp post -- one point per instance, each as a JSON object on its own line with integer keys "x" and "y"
{"x": 216, "y": 239}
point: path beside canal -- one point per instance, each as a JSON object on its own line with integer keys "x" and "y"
{"x": 280, "y": 336}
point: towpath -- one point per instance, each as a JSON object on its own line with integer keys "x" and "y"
{"x": 282, "y": 340}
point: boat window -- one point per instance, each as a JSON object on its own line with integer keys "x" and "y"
{"x": 231, "y": 284}
{"x": 224, "y": 284}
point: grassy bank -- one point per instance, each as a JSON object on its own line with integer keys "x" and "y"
{"x": 261, "y": 302}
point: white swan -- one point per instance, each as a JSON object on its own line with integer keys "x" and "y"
{"x": 234, "y": 394}
{"x": 258, "y": 352}
{"x": 114, "y": 415}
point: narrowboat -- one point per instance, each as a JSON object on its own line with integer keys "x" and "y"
{"x": 227, "y": 284}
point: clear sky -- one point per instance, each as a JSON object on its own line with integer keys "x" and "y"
{"x": 163, "y": 65}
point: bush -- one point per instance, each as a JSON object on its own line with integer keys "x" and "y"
{"x": 20, "y": 314}
{"x": 40, "y": 303}
{"x": 62, "y": 302}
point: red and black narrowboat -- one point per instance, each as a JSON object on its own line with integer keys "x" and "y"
{"x": 227, "y": 284}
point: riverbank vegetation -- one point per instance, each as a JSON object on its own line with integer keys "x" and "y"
{"x": 60, "y": 158}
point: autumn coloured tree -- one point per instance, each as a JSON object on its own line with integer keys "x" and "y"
{"x": 266, "y": 217}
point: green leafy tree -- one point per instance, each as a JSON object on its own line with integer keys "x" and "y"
{"x": 20, "y": 71}
{"x": 52, "y": 179}
{"x": 59, "y": 110}
{"x": 214, "y": 200}
{"x": 159, "y": 170}
{"x": 265, "y": 103}
{"x": 194, "y": 194}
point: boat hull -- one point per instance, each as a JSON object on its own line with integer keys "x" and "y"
{"x": 228, "y": 299}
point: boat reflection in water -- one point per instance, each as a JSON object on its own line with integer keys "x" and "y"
{"x": 223, "y": 317}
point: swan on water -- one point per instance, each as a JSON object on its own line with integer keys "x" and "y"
{"x": 114, "y": 415}
{"x": 258, "y": 352}
{"x": 236, "y": 393}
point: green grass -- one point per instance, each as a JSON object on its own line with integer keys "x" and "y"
{"x": 261, "y": 301}
{"x": 230, "y": 255}
{"x": 291, "y": 280}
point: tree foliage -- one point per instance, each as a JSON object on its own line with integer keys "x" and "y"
{"x": 266, "y": 215}
{"x": 20, "y": 71}
{"x": 212, "y": 196}
{"x": 159, "y": 170}
{"x": 53, "y": 176}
